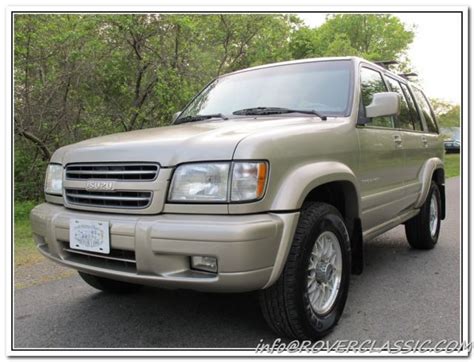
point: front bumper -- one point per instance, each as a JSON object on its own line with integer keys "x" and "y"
{"x": 155, "y": 250}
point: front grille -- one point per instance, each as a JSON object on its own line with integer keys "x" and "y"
{"x": 112, "y": 171}
{"x": 120, "y": 260}
{"x": 120, "y": 199}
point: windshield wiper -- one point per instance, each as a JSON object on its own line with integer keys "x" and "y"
{"x": 258, "y": 111}
{"x": 199, "y": 117}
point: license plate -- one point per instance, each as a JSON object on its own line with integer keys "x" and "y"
{"x": 89, "y": 235}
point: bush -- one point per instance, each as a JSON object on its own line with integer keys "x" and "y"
{"x": 22, "y": 210}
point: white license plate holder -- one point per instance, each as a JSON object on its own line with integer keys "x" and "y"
{"x": 89, "y": 235}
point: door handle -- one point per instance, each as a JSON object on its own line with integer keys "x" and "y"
{"x": 425, "y": 141}
{"x": 398, "y": 140}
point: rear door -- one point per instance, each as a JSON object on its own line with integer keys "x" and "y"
{"x": 411, "y": 128}
{"x": 381, "y": 171}
{"x": 431, "y": 138}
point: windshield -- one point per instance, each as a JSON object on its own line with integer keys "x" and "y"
{"x": 323, "y": 86}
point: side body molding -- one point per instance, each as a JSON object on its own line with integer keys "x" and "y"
{"x": 426, "y": 174}
{"x": 303, "y": 179}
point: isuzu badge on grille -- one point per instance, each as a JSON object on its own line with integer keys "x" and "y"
{"x": 100, "y": 185}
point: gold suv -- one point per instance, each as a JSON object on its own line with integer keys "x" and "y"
{"x": 269, "y": 180}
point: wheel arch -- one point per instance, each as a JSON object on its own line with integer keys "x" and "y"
{"x": 344, "y": 197}
{"x": 303, "y": 180}
{"x": 310, "y": 183}
{"x": 432, "y": 170}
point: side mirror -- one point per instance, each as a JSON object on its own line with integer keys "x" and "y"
{"x": 175, "y": 116}
{"x": 383, "y": 104}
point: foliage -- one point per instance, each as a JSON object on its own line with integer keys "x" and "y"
{"x": 370, "y": 36}
{"x": 80, "y": 76}
{"x": 22, "y": 210}
{"x": 448, "y": 114}
{"x": 452, "y": 164}
{"x": 25, "y": 250}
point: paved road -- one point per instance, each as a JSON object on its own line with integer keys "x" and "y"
{"x": 402, "y": 294}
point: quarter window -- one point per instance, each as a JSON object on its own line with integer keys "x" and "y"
{"x": 411, "y": 104}
{"x": 371, "y": 82}
{"x": 425, "y": 110}
{"x": 405, "y": 120}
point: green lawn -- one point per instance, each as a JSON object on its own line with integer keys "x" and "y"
{"x": 25, "y": 250}
{"x": 452, "y": 164}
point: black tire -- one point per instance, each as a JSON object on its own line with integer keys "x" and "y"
{"x": 285, "y": 304}
{"x": 110, "y": 285}
{"x": 417, "y": 229}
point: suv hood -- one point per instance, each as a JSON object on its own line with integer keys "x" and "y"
{"x": 171, "y": 145}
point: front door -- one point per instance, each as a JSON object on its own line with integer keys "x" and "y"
{"x": 382, "y": 163}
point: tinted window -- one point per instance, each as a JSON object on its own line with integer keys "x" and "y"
{"x": 324, "y": 86}
{"x": 371, "y": 82}
{"x": 425, "y": 110}
{"x": 411, "y": 104}
{"x": 404, "y": 119}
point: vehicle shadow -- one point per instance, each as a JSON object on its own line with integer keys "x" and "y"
{"x": 159, "y": 318}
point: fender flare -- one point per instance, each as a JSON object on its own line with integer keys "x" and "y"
{"x": 303, "y": 179}
{"x": 294, "y": 190}
{"x": 425, "y": 176}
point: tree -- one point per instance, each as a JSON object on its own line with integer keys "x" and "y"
{"x": 85, "y": 75}
{"x": 373, "y": 37}
{"x": 448, "y": 114}
{"x": 80, "y": 76}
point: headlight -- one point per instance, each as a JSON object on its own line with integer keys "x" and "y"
{"x": 53, "y": 183}
{"x": 200, "y": 182}
{"x": 219, "y": 182}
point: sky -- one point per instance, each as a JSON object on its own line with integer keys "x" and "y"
{"x": 435, "y": 52}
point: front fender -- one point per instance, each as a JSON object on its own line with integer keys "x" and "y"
{"x": 302, "y": 180}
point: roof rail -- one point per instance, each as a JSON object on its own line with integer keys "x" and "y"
{"x": 386, "y": 63}
{"x": 408, "y": 75}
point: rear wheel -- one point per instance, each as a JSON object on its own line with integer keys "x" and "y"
{"x": 422, "y": 231}
{"x": 307, "y": 300}
{"x": 109, "y": 285}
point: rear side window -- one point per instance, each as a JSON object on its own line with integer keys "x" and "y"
{"x": 425, "y": 110}
{"x": 371, "y": 82}
{"x": 411, "y": 104}
{"x": 405, "y": 120}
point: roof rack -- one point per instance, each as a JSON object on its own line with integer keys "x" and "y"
{"x": 408, "y": 75}
{"x": 386, "y": 63}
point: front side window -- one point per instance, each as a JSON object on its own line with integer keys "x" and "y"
{"x": 371, "y": 82}
{"x": 425, "y": 110}
{"x": 324, "y": 86}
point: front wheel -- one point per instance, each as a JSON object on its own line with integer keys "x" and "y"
{"x": 307, "y": 300}
{"x": 422, "y": 231}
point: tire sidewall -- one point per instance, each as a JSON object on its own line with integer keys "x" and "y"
{"x": 316, "y": 324}
{"x": 433, "y": 190}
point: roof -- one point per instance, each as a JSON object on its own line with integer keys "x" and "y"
{"x": 310, "y": 60}
{"x": 298, "y": 61}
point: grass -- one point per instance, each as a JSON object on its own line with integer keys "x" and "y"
{"x": 29, "y": 269}
{"x": 25, "y": 249}
{"x": 451, "y": 164}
